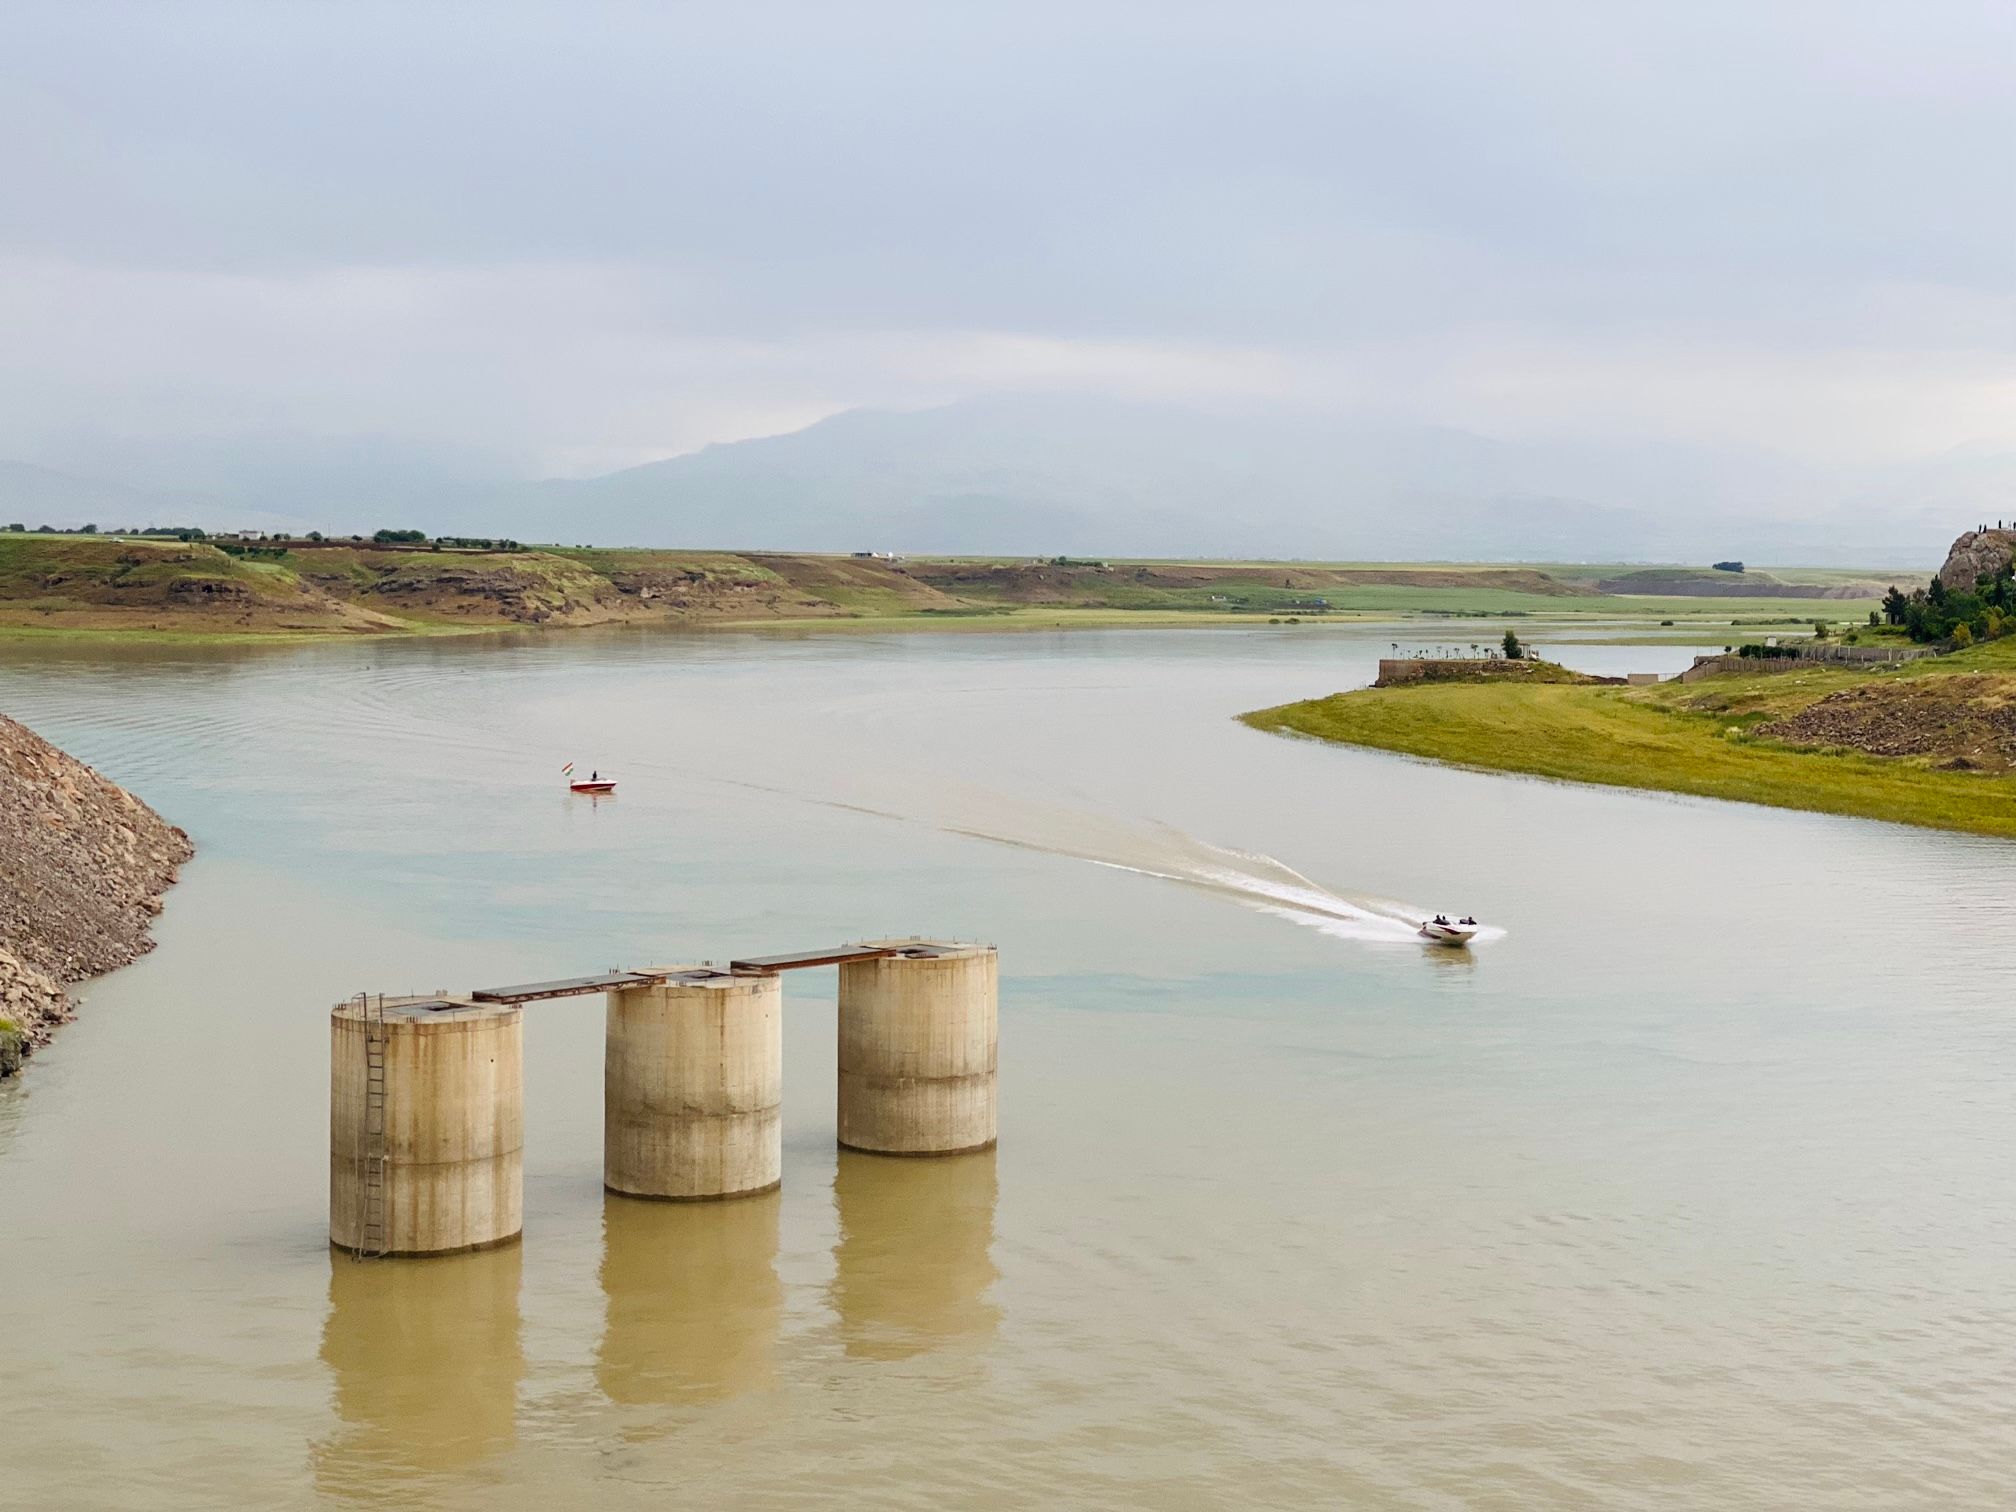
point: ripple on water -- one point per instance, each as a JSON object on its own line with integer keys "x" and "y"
{"x": 1691, "y": 1189}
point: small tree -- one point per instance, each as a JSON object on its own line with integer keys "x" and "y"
{"x": 1819, "y": 630}
{"x": 1962, "y": 637}
{"x": 1513, "y": 650}
{"x": 1875, "y": 618}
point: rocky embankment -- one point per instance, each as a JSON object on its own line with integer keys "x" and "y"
{"x": 1964, "y": 722}
{"x": 83, "y": 864}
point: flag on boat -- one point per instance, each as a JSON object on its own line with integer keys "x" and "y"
{"x": 567, "y": 770}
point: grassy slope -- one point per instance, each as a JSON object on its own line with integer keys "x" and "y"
{"x": 1436, "y": 588}
{"x": 95, "y": 585}
{"x": 1682, "y": 738}
{"x": 1812, "y": 577}
{"x": 858, "y": 586}
{"x": 89, "y": 569}
{"x": 706, "y": 567}
{"x": 99, "y": 585}
{"x": 444, "y": 588}
{"x": 106, "y": 585}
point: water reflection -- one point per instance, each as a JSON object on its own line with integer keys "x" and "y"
{"x": 13, "y": 1108}
{"x": 426, "y": 1358}
{"x": 914, "y": 1261}
{"x": 1456, "y": 962}
{"x": 693, "y": 1299}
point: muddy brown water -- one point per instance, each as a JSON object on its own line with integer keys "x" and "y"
{"x": 1694, "y": 1188}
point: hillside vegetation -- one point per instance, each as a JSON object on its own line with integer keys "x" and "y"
{"x": 94, "y": 583}
{"x": 1707, "y": 582}
{"x": 1932, "y": 742}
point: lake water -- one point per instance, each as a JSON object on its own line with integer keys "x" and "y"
{"x": 1695, "y": 1188}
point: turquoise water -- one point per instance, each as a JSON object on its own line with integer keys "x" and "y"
{"x": 1691, "y": 1188}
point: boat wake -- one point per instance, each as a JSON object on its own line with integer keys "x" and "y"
{"x": 1146, "y": 848}
{"x": 1149, "y": 849}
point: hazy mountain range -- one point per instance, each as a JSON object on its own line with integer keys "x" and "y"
{"x": 1046, "y": 476}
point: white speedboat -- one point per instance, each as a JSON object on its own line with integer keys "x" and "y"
{"x": 1440, "y": 931}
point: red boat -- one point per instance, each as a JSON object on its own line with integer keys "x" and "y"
{"x": 596, "y": 782}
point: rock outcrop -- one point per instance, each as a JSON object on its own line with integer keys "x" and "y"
{"x": 1978, "y": 554}
{"x": 83, "y": 864}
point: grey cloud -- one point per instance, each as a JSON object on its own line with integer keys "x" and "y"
{"x": 766, "y": 186}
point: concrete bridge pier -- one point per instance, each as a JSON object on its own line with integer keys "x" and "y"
{"x": 426, "y": 1125}
{"x": 692, "y": 1082}
{"x": 918, "y": 1038}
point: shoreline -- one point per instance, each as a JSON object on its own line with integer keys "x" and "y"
{"x": 1631, "y": 626}
{"x": 1019, "y": 620}
{"x": 230, "y": 590}
{"x": 1722, "y": 738}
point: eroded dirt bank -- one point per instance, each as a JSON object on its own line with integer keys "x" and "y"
{"x": 83, "y": 864}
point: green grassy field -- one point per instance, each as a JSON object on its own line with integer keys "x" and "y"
{"x": 1682, "y": 738}
{"x": 1811, "y": 577}
{"x": 108, "y": 585}
{"x": 1470, "y": 603}
{"x": 988, "y": 618}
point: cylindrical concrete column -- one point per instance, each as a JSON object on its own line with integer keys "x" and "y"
{"x": 917, "y": 1050}
{"x": 426, "y": 1126}
{"x": 692, "y": 1079}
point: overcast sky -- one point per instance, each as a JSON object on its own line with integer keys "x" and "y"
{"x": 580, "y": 236}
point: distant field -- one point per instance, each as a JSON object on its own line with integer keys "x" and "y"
{"x": 107, "y": 584}
{"x": 1816, "y": 577}
{"x": 1565, "y": 571}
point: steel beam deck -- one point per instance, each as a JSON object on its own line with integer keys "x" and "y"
{"x": 533, "y": 992}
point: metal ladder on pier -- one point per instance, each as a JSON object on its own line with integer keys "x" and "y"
{"x": 374, "y": 1158}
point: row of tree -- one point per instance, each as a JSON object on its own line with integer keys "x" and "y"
{"x": 174, "y": 532}
{"x": 197, "y": 533}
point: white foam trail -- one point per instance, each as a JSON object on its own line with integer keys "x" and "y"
{"x": 1260, "y": 882}
{"x": 1255, "y": 880}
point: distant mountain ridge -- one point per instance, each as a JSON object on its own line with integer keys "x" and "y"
{"x": 1038, "y": 477}
{"x": 33, "y": 495}
{"x": 1021, "y": 476}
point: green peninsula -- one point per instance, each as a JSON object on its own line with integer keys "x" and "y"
{"x": 1930, "y": 742}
